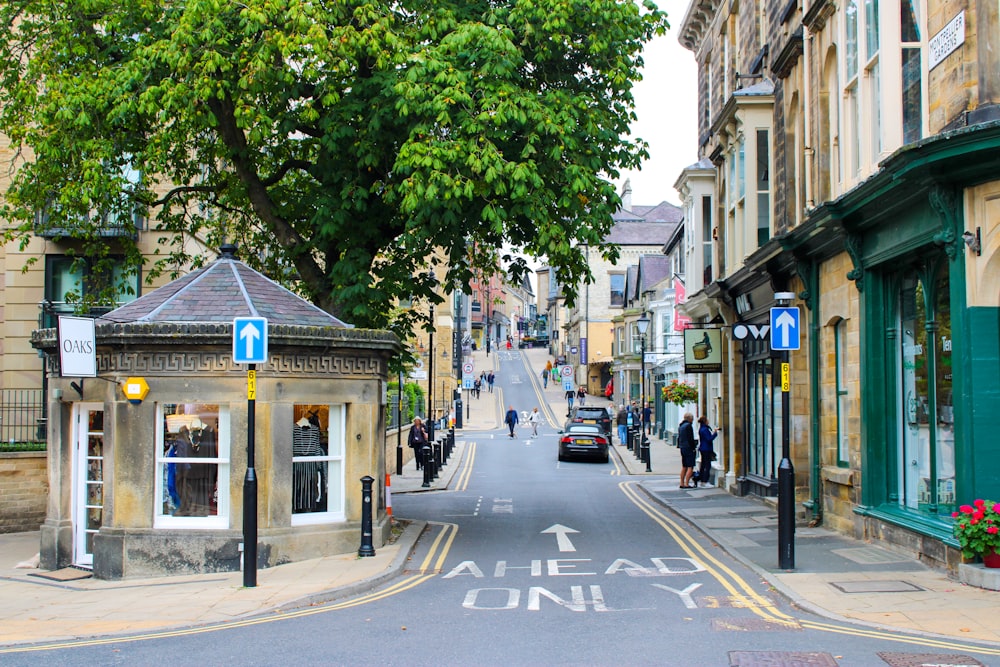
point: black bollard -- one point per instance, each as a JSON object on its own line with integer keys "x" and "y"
{"x": 437, "y": 459}
{"x": 366, "y": 517}
{"x": 636, "y": 446}
{"x": 645, "y": 454}
{"x": 399, "y": 459}
{"x": 425, "y": 455}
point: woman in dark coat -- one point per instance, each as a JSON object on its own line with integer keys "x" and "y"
{"x": 706, "y": 435}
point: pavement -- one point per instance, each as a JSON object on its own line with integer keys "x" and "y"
{"x": 835, "y": 576}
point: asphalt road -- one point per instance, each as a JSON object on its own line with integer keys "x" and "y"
{"x": 532, "y": 561}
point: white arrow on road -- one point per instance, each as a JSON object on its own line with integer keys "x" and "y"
{"x": 785, "y": 323}
{"x": 249, "y": 333}
{"x": 562, "y": 536}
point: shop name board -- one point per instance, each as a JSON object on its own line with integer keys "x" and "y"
{"x": 77, "y": 347}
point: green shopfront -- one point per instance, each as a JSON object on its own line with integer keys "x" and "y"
{"x": 930, "y": 362}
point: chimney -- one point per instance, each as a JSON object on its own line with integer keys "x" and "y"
{"x": 627, "y": 195}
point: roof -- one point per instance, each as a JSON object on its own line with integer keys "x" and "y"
{"x": 220, "y": 292}
{"x": 652, "y": 269}
{"x": 644, "y": 225}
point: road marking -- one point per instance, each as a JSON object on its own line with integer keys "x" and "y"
{"x": 562, "y": 536}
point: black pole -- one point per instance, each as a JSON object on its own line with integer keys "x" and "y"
{"x": 786, "y": 478}
{"x": 250, "y": 487}
{"x": 430, "y": 382}
{"x": 399, "y": 425}
{"x": 366, "y": 548}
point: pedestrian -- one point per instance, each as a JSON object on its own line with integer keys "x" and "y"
{"x": 511, "y": 419}
{"x": 647, "y": 418}
{"x": 545, "y": 378}
{"x": 477, "y": 386}
{"x": 581, "y": 396}
{"x": 555, "y": 375}
{"x": 417, "y": 440}
{"x": 535, "y": 418}
{"x": 489, "y": 381}
{"x": 706, "y": 436}
{"x": 685, "y": 440}
{"x": 570, "y": 395}
{"x": 622, "y": 420}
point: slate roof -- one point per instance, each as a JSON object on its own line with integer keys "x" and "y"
{"x": 225, "y": 289}
{"x": 652, "y": 269}
{"x": 644, "y": 225}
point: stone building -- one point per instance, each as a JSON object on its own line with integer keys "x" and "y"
{"x": 156, "y": 486}
{"x": 854, "y": 148}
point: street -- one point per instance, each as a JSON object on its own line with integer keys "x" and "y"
{"x": 532, "y": 561}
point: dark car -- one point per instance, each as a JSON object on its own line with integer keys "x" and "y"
{"x": 587, "y": 440}
{"x": 591, "y": 414}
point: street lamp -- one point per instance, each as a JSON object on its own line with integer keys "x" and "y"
{"x": 643, "y": 324}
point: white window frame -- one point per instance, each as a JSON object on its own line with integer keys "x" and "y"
{"x": 334, "y": 458}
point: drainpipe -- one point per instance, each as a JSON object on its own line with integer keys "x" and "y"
{"x": 811, "y": 278}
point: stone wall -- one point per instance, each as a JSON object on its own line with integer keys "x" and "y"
{"x": 24, "y": 491}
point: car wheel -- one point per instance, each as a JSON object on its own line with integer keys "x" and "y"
{"x": 607, "y": 457}
{"x": 562, "y": 458}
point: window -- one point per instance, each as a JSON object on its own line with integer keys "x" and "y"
{"x": 620, "y": 337}
{"x": 926, "y": 459}
{"x": 843, "y": 407}
{"x": 317, "y": 464}
{"x": 912, "y": 77}
{"x": 71, "y": 280}
{"x": 706, "y": 238}
{"x": 192, "y": 463}
{"x": 763, "y": 188}
{"x": 617, "y": 289}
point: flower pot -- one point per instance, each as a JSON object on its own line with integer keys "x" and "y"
{"x": 991, "y": 558}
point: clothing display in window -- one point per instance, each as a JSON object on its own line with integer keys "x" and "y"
{"x": 309, "y": 477}
{"x": 196, "y": 482}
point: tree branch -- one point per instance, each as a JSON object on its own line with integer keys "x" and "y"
{"x": 185, "y": 189}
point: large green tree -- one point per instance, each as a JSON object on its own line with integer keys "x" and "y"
{"x": 338, "y": 143}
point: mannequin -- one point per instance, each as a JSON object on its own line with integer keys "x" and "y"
{"x": 308, "y": 477}
{"x": 196, "y": 481}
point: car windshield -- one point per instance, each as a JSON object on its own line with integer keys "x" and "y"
{"x": 592, "y": 412}
{"x": 584, "y": 429}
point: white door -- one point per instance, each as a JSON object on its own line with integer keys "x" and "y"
{"x": 88, "y": 497}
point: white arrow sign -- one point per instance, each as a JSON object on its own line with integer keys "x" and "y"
{"x": 785, "y": 324}
{"x": 249, "y": 334}
{"x": 562, "y": 536}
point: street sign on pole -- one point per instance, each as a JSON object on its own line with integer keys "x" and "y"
{"x": 785, "y": 328}
{"x": 566, "y": 371}
{"x": 467, "y": 368}
{"x": 250, "y": 340}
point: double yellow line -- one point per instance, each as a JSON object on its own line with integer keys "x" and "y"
{"x": 744, "y": 593}
{"x": 429, "y": 568}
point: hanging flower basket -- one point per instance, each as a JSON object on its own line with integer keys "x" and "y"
{"x": 680, "y": 393}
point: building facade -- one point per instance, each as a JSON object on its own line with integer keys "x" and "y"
{"x": 854, "y": 151}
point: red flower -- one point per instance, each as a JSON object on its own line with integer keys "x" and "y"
{"x": 979, "y": 516}
{"x": 954, "y": 515}
{"x": 967, "y": 509}
{"x": 993, "y": 530}
{"x": 996, "y": 508}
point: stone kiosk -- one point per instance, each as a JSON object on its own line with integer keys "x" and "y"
{"x": 155, "y": 486}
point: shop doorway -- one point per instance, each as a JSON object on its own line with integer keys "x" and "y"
{"x": 88, "y": 479}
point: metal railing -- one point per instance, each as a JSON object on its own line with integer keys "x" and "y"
{"x": 22, "y": 420}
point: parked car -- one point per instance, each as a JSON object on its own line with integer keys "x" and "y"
{"x": 591, "y": 414}
{"x": 588, "y": 440}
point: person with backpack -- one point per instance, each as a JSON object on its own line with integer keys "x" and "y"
{"x": 706, "y": 436}
{"x": 545, "y": 378}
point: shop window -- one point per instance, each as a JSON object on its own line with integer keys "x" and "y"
{"x": 926, "y": 457}
{"x": 317, "y": 464}
{"x": 843, "y": 406}
{"x": 192, "y": 463}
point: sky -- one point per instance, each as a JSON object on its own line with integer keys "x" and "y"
{"x": 666, "y": 104}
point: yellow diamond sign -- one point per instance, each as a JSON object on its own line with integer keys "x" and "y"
{"x": 135, "y": 390}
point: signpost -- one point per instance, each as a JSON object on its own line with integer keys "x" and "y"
{"x": 784, "y": 337}
{"x": 250, "y": 347}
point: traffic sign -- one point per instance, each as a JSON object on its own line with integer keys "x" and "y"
{"x": 568, "y": 385}
{"x": 566, "y": 371}
{"x": 250, "y": 340}
{"x": 468, "y": 382}
{"x": 467, "y": 368}
{"x": 785, "y": 328}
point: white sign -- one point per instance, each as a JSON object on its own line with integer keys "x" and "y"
{"x": 467, "y": 368}
{"x": 77, "y": 347}
{"x": 566, "y": 371}
{"x": 946, "y": 41}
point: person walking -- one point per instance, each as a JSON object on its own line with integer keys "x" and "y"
{"x": 581, "y": 396}
{"x": 706, "y": 436}
{"x": 511, "y": 419}
{"x": 535, "y": 418}
{"x": 685, "y": 440}
{"x": 570, "y": 396}
{"x": 622, "y": 420}
{"x": 545, "y": 378}
{"x": 477, "y": 386}
{"x": 647, "y": 417}
{"x": 489, "y": 381}
{"x": 417, "y": 440}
